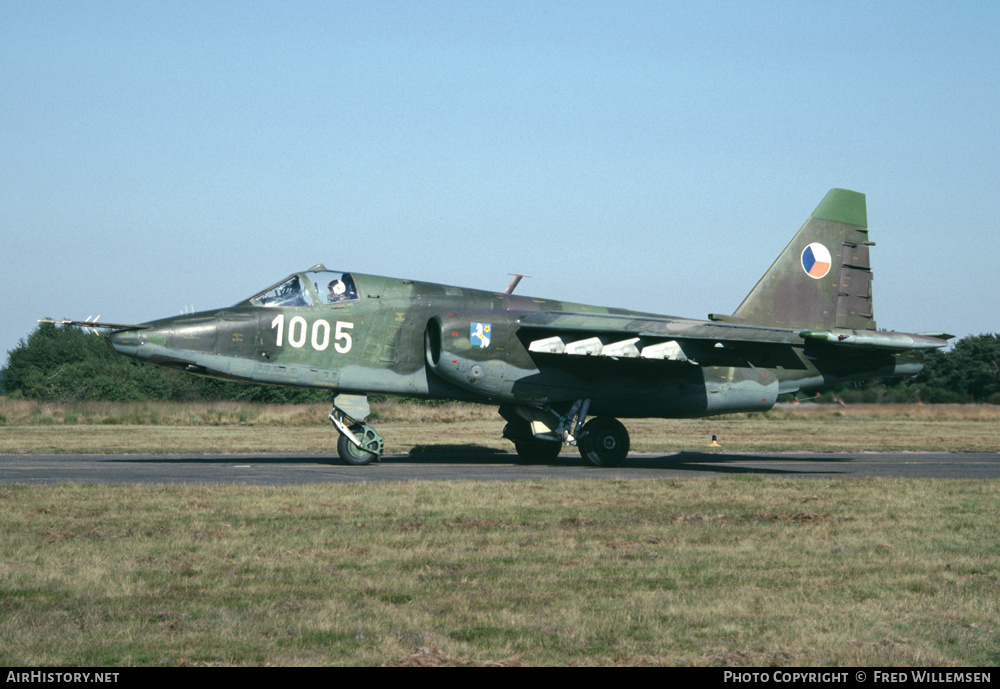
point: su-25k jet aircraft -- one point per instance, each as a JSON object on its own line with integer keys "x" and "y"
{"x": 549, "y": 365}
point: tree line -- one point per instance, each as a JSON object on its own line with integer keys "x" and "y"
{"x": 65, "y": 364}
{"x": 968, "y": 372}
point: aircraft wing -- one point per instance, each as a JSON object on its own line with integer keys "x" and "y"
{"x": 673, "y": 339}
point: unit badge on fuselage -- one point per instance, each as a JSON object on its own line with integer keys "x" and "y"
{"x": 479, "y": 334}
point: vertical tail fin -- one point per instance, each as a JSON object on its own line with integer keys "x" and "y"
{"x": 823, "y": 277}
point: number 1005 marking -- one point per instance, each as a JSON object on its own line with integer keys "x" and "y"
{"x": 298, "y": 330}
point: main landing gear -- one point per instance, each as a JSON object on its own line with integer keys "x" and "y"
{"x": 359, "y": 442}
{"x": 539, "y": 433}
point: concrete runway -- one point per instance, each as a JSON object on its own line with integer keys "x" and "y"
{"x": 479, "y": 465}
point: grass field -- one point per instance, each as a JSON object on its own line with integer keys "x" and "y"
{"x": 742, "y": 571}
{"x": 706, "y": 571}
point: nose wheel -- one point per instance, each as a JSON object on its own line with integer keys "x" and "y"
{"x": 359, "y": 455}
{"x": 359, "y": 443}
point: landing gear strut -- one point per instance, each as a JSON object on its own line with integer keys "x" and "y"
{"x": 538, "y": 434}
{"x": 359, "y": 442}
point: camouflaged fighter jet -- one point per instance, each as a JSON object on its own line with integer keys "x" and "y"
{"x": 549, "y": 365}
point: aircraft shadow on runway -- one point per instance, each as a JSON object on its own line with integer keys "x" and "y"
{"x": 727, "y": 464}
{"x": 707, "y": 462}
{"x": 429, "y": 455}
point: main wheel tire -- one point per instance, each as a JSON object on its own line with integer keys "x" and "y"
{"x": 352, "y": 454}
{"x": 604, "y": 442}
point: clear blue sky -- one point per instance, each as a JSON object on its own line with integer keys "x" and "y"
{"x": 655, "y": 155}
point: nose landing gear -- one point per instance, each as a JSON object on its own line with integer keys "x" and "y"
{"x": 359, "y": 443}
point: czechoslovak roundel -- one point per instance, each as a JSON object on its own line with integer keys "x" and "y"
{"x": 816, "y": 260}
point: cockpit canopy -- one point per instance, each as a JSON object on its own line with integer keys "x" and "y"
{"x": 311, "y": 287}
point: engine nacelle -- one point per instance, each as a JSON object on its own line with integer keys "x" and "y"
{"x": 470, "y": 349}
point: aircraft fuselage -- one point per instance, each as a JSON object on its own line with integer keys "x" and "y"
{"x": 418, "y": 339}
